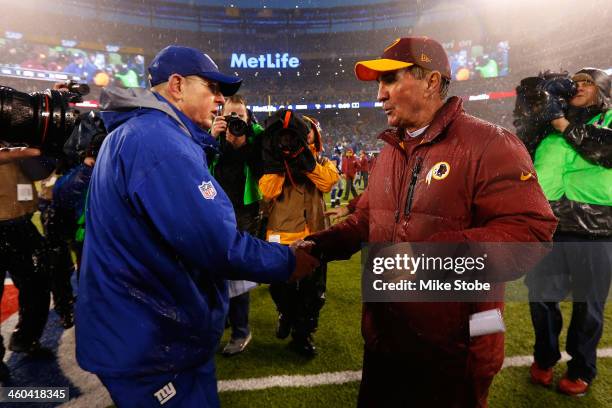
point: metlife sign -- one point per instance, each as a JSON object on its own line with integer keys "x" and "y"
{"x": 263, "y": 61}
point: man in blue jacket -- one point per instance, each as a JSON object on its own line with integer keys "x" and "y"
{"x": 161, "y": 240}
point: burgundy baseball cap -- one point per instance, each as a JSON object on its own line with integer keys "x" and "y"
{"x": 403, "y": 53}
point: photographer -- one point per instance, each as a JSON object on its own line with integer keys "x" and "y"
{"x": 238, "y": 169}
{"x": 295, "y": 179}
{"x": 573, "y": 161}
{"x": 20, "y": 254}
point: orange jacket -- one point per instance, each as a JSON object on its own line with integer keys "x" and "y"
{"x": 295, "y": 211}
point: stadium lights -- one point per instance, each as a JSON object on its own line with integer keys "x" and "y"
{"x": 69, "y": 43}
{"x": 13, "y": 35}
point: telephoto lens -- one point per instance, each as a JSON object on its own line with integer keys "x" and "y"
{"x": 39, "y": 119}
{"x": 235, "y": 125}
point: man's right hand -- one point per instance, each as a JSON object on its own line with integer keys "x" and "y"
{"x": 305, "y": 263}
{"x": 219, "y": 126}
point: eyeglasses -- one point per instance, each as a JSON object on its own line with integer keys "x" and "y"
{"x": 214, "y": 87}
{"x": 585, "y": 83}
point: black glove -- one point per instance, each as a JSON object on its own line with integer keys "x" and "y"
{"x": 271, "y": 157}
{"x": 284, "y": 139}
{"x": 554, "y": 108}
{"x": 304, "y": 162}
{"x": 561, "y": 87}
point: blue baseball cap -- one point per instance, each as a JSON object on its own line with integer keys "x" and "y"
{"x": 185, "y": 61}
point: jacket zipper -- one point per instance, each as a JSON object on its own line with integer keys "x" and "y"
{"x": 399, "y": 204}
{"x": 415, "y": 175}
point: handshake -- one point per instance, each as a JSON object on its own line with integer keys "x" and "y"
{"x": 285, "y": 144}
{"x": 305, "y": 262}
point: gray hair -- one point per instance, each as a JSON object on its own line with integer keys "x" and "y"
{"x": 418, "y": 72}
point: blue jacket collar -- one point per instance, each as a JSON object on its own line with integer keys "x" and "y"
{"x": 201, "y": 137}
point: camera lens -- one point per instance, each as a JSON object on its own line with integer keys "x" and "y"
{"x": 39, "y": 119}
{"x": 236, "y": 126}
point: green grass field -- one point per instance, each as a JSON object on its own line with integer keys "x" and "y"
{"x": 340, "y": 349}
{"x": 340, "y": 345}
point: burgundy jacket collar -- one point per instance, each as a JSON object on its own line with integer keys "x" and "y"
{"x": 443, "y": 118}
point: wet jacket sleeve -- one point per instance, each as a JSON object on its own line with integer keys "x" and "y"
{"x": 508, "y": 206}
{"x": 271, "y": 185}
{"x": 191, "y": 214}
{"x": 324, "y": 176}
{"x": 344, "y": 239}
{"x": 591, "y": 142}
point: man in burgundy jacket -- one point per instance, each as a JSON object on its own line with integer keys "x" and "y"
{"x": 350, "y": 167}
{"x": 364, "y": 168}
{"x": 443, "y": 176}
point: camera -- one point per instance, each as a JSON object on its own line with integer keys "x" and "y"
{"x": 40, "y": 119}
{"x": 235, "y": 125}
{"x": 532, "y": 110}
{"x": 285, "y": 144}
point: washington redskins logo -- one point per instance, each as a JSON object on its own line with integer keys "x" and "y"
{"x": 439, "y": 171}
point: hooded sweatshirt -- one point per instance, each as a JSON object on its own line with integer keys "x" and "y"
{"x": 161, "y": 240}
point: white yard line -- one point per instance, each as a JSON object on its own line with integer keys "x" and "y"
{"x": 341, "y": 377}
{"x": 95, "y": 395}
{"x": 249, "y": 384}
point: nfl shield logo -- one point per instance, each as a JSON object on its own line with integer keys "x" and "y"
{"x": 208, "y": 190}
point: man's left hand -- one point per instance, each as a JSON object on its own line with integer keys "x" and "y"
{"x": 337, "y": 213}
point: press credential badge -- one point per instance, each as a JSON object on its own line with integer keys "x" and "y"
{"x": 25, "y": 192}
